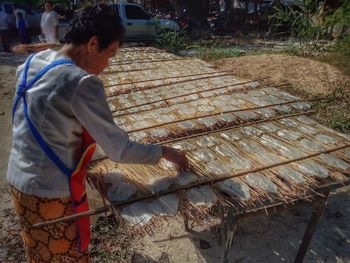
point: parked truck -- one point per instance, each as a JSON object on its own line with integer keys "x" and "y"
{"x": 138, "y": 24}
{"x": 32, "y": 17}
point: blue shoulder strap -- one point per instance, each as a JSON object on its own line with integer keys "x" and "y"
{"x": 22, "y": 88}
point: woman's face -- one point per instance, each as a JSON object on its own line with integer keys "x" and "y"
{"x": 48, "y": 7}
{"x": 96, "y": 60}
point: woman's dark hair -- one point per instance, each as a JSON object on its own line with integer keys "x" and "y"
{"x": 99, "y": 21}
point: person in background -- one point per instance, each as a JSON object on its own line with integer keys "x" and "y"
{"x": 222, "y": 6}
{"x": 5, "y": 30}
{"x": 49, "y": 24}
{"x": 22, "y": 29}
{"x": 22, "y": 25}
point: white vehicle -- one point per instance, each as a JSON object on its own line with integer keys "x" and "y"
{"x": 138, "y": 24}
{"x": 33, "y": 17}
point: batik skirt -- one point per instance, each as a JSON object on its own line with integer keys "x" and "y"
{"x": 56, "y": 243}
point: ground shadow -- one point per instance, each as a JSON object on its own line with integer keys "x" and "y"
{"x": 276, "y": 237}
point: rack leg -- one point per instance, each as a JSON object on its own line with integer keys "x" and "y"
{"x": 186, "y": 223}
{"x": 222, "y": 228}
{"x": 310, "y": 230}
{"x": 231, "y": 229}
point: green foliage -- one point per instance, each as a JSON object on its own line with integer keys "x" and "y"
{"x": 343, "y": 46}
{"x": 40, "y": 3}
{"x": 64, "y": 3}
{"x": 304, "y": 27}
{"x": 339, "y": 55}
{"x": 332, "y": 111}
{"x": 311, "y": 22}
{"x": 171, "y": 40}
{"x": 339, "y": 20}
{"x": 301, "y": 19}
{"x": 213, "y": 53}
{"x": 340, "y": 122}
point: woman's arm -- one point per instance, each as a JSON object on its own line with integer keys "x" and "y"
{"x": 90, "y": 107}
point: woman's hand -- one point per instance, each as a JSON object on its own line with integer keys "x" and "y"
{"x": 175, "y": 156}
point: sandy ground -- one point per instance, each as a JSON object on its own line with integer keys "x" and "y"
{"x": 10, "y": 245}
{"x": 8, "y": 65}
{"x": 273, "y": 238}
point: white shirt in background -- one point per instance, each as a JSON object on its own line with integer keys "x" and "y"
{"x": 49, "y": 21}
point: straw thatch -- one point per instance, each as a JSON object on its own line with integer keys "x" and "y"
{"x": 247, "y": 142}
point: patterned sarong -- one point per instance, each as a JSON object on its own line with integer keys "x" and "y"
{"x": 53, "y": 243}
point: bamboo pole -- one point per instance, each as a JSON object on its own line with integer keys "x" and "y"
{"x": 187, "y": 187}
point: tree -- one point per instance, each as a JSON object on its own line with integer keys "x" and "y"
{"x": 197, "y": 11}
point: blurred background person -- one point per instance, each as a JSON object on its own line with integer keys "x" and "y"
{"x": 5, "y": 30}
{"x": 22, "y": 25}
{"x": 222, "y": 6}
{"x": 49, "y": 24}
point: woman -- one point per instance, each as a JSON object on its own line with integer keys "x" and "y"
{"x": 49, "y": 24}
{"x": 60, "y": 110}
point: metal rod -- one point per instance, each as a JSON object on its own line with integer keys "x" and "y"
{"x": 224, "y": 129}
{"x": 148, "y": 61}
{"x": 126, "y": 71}
{"x": 187, "y": 187}
{"x": 189, "y": 94}
{"x": 225, "y": 73}
{"x": 271, "y": 204}
{"x": 135, "y": 89}
{"x": 141, "y": 51}
{"x": 213, "y": 114}
{"x": 236, "y": 126}
{"x": 75, "y": 216}
{"x": 145, "y": 59}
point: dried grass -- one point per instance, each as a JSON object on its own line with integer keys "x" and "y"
{"x": 30, "y": 48}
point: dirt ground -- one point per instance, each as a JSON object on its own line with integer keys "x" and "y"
{"x": 273, "y": 238}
